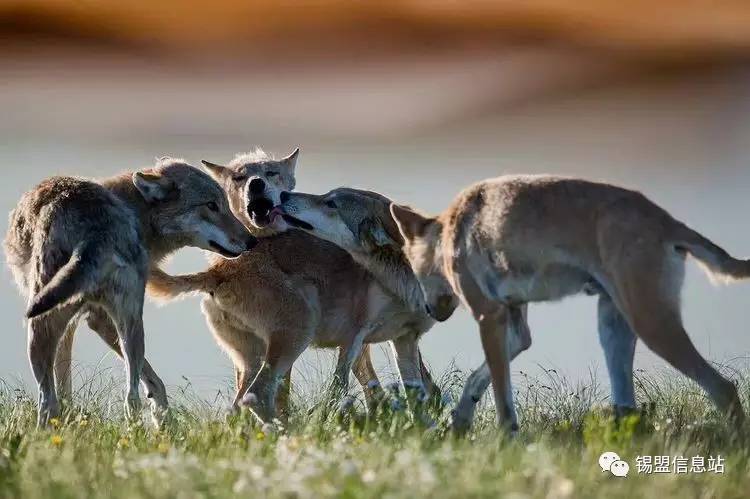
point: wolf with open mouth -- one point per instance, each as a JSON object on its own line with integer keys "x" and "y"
{"x": 292, "y": 291}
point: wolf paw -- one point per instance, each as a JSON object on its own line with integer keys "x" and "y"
{"x": 460, "y": 423}
{"x": 346, "y": 404}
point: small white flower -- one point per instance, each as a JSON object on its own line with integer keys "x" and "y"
{"x": 368, "y": 476}
{"x": 241, "y": 485}
{"x": 257, "y": 473}
{"x": 561, "y": 489}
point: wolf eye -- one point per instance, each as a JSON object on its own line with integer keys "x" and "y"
{"x": 239, "y": 178}
{"x": 271, "y": 174}
{"x": 331, "y": 204}
{"x": 212, "y": 206}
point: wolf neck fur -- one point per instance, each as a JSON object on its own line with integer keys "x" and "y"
{"x": 159, "y": 247}
{"x": 389, "y": 267}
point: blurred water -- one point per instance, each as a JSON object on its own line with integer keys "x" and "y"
{"x": 682, "y": 142}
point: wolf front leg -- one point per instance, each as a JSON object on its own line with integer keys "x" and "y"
{"x": 406, "y": 351}
{"x": 126, "y": 311}
{"x": 368, "y": 379}
{"x": 493, "y": 325}
{"x": 518, "y": 340}
{"x": 348, "y": 354}
{"x": 618, "y": 342}
{"x": 283, "y": 349}
{"x": 100, "y": 322}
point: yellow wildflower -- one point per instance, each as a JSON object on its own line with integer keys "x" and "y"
{"x": 123, "y": 443}
{"x": 260, "y": 435}
{"x": 54, "y": 422}
{"x": 56, "y": 440}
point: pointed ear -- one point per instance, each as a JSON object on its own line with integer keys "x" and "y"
{"x": 290, "y": 161}
{"x": 381, "y": 237}
{"x": 371, "y": 231}
{"x": 410, "y": 223}
{"x": 153, "y": 186}
{"x": 216, "y": 171}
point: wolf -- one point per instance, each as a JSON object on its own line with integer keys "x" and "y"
{"x": 517, "y": 239}
{"x": 359, "y": 222}
{"x": 292, "y": 291}
{"x": 78, "y": 247}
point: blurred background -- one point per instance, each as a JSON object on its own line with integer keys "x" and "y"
{"x": 415, "y": 99}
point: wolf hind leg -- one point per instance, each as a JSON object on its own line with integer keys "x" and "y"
{"x": 44, "y": 333}
{"x": 63, "y": 363}
{"x": 647, "y": 286}
{"x": 618, "y": 343}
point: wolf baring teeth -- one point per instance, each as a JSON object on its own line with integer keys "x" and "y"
{"x": 293, "y": 291}
{"x": 78, "y": 247}
{"x": 255, "y": 183}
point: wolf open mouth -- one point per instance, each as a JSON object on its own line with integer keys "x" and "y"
{"x": 260, "y": 211}
{"x": 296, "y": 222}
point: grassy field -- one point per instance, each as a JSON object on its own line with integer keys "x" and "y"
{"x": 93, "y": 452}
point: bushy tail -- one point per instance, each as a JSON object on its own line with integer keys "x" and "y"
{"x": 718, "y": 264}
{"x": 76, "y": 277}
{"x": 164, "y": 287}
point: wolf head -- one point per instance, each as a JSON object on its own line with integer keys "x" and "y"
{"x": 422, "y": 237}
{"x": 361, "y": 223}
{"x": 254, "y": 182}
{"x": 353, "y": 219}
{"x": 187, "y": 208}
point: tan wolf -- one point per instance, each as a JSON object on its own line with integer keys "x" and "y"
{"x": 292, "y": 291}
{"x": 514, "y": 240}
{"x": 79, "y": 247}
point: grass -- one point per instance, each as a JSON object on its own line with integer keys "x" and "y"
{"x": 93, "y": 452}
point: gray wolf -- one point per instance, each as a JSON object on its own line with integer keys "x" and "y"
{"x": 293, "y": 290}
{"x": 78, "y": 247}
{"x": 513, "y": 240}
{"x": 360, "y": 223}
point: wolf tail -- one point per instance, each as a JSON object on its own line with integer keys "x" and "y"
{"x": 77, "y": 276}
{"x": 164, "y": 287}
{"x": 718, "y": 264}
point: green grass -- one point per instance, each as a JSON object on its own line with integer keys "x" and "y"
{"x": 93, "y": 452}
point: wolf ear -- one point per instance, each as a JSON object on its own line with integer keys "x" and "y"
{"x": 153, "y": 187}
{"x": 216, "y": 171}
{"x": 372, "y": 233}
{"x": 380, "y": 236}
{"x": 290, "y": 161}
{"x": 410, "y": 223}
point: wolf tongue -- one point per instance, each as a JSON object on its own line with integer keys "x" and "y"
{"x": 275, "y": 212}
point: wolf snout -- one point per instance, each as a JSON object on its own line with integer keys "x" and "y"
{"x": 440, "y": 311}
